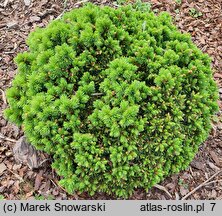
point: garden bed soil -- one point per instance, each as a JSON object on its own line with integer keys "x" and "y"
{"x": 17, "y": 181}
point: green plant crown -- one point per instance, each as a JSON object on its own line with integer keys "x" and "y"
{"x": 119, "y": 97}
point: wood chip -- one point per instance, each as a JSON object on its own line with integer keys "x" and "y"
{"x": 3, "y": 96}
{"x": 29, "y": 194}
{"x": 213, "y": 194}
{"x": 212, "y": 166}
{"x": 160, "y": 187}
{"x": 2, "y": 168}
{"x": 12, "y": 25}
{"x": 218, "y": 75}
{"x": 27, "y": 2}
{"x": 215, "y": 157}
{"x": 38, "y": 180}
{"x": 2, "y": 148}
{"x": 171, "y": 186}
{"x": 16, "y": 166}
{"x": 5, "y": 3}
{"x": 177, "y": 196}
{"x": 197, "y": 165}
{"x": 34, "y": 18}
{"x": 183, "y": 191}
{"x": 201, "y": 185}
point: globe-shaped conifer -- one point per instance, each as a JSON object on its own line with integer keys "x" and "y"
{"x": 119, "y": 97}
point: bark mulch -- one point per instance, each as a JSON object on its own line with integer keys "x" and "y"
{"x": 201, "y": 18}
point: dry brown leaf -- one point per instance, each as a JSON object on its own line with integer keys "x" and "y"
{"x": 38, "y": 180}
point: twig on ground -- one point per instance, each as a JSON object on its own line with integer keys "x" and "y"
{"x": 9, "y": 52}
{"x": 191, "y": 171}
{"x": 7, "y": 139}
{"x": 3, "y": 96}
{"x": 97, "y": 94}
{"x": 201, "y": 185}
{"x": 43, "y": 162}
{"x": 160, "y": 187}
{"x": 57, "y": 185}
{"x": 60, "y": 15}
{"x": 54, "y": 183}
{"x": 216, "y": 181}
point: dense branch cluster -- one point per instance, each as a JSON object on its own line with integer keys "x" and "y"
{"x": 119, "y": 97}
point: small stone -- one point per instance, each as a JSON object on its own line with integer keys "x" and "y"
{"x": 24, "y": 152}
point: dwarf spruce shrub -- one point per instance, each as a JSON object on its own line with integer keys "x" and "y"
{"x": 119, "y": 97}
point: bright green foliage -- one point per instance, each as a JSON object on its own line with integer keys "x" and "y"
{"x": 119, "y": 97}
